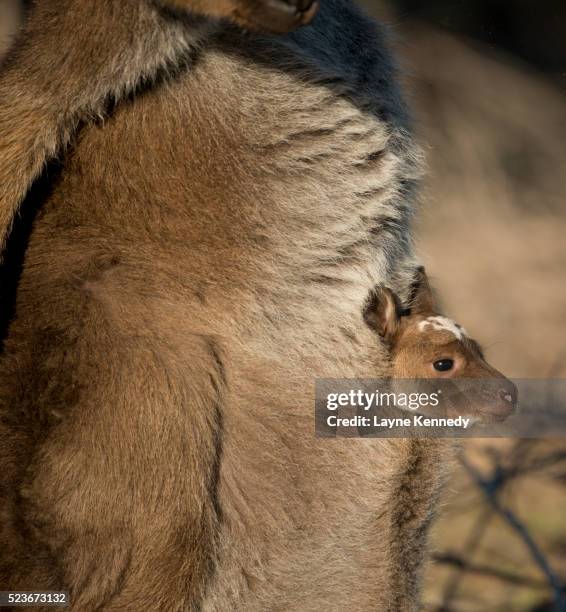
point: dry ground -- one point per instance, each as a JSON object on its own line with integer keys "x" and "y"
{"x": 10, "y": 14}
{"x": 492, "y": 232}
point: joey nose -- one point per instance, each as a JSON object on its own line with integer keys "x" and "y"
{"x": 508, "y": 395}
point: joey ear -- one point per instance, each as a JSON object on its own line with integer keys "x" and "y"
{"x": 382, "y": 313}
{"x": 422, "y": 299}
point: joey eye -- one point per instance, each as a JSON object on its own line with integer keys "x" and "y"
{"x": 443, "y": 365}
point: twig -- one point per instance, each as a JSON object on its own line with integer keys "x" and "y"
{"x": 490, "y": 489}
{"x": 472, "y": 542}
{"x": 485, "y": 570}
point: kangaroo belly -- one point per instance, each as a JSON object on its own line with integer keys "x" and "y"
{"x": 234, "y": 218}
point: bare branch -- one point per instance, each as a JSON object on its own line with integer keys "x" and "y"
{"x": 490, "y": 488}
{"x": 464, "y": 565}
{"x": 472, "y": 543}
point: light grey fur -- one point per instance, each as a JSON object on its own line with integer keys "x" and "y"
{"x": 204, "y": 255}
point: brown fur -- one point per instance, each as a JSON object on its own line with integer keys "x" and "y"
{"x": 417, "y": 347}
{"x": 43, "y": 102}
{"x": 200, "y": 256}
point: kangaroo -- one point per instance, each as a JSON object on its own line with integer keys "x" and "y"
{"x": 425, "y": 344}
{"x": 121, "y": 45}
{"x": 206, "y": 208}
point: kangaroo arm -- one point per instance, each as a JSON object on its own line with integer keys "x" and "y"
{"x": 77, "y": 55}
{"x": 74, "y": 57}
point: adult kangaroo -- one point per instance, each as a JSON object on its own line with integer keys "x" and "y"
{"x": 220, "y": 204}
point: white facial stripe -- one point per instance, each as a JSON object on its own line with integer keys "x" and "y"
{"x": 443, "y": 323}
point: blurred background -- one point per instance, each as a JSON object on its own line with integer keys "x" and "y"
{"x": 10, "y": 15}
{"x": 487, "y": 82}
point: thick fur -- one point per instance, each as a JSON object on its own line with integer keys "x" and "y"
{"x": 419, "y": 336}
{"x": 201, "y": 255}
